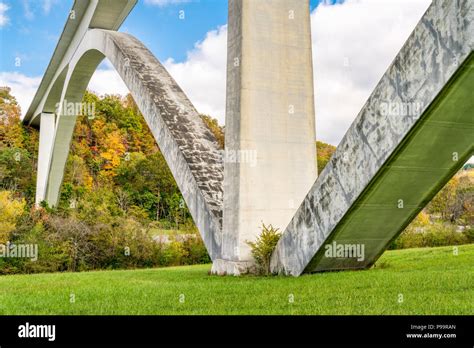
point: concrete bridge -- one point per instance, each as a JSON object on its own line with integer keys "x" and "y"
{"x": 415, "y": 131}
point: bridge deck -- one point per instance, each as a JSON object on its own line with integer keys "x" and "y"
{"x": 84, "y": 14}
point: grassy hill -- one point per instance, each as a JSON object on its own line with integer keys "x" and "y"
{"x": 431, "y": 281}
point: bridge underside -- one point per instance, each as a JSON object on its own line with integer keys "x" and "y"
{"x": 413, "y": 134}
{"x": 430, "y": 155}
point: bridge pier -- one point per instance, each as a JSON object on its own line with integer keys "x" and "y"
{"x": 46, "y": 138}
{"x": 270, "y": 133}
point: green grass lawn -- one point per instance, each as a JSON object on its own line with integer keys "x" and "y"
{"x": 431, "y": 281}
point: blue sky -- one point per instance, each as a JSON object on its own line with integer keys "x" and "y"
{"x": 354, "y": 42}
{"x": 34, "y": 27}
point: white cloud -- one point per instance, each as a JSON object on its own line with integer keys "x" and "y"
{"x": 3, "y": 17}
{"x": 30, "y": 7}
{"x": 163, "y": 3}
{"x": 203, "y": 75}
{"x": 48, "y": 4}
{"x": 23, "y": 88}
{"x": 27, "y": 11}
{"x": 106, "y": 80}
{"x": 353, "y": 45}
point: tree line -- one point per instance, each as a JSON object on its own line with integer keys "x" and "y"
{"x": 118, "y": 194}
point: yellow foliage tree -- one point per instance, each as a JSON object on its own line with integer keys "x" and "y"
{"x": 113, "y": 154}
{"x": 10, "y": 210}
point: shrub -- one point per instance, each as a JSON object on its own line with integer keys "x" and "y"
{"x": 469, "y": 233}
{"x": 66, "y": 243}
{"x": 263, "y": 247}
{"x": 434, "y": 235}
{"x": 174, "y": 253}
{"x": 195, "y": 250}
{"x": 74, "y": 239}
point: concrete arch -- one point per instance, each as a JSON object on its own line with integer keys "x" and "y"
{"x": 54, "y": 94}
{"x": 75, "y": 84}
{"x": 189, "y": 148}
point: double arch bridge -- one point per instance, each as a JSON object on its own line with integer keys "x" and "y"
{"x": 387, "y": 167}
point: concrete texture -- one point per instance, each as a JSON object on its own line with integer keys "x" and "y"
{"x": 269, "y": 114}
{"x": 390, "y": 164}
{"x": 188, "y": 147}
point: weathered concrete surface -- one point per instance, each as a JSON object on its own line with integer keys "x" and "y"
{"x": 389, "y": 165}
{"x": 269, "y": 115}
{"x": 188, "y": 146}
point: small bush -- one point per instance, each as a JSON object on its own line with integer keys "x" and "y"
{"x": 263, "y": 247}
{"x": 469, "y": 233}
{"x": 196, "y": 251}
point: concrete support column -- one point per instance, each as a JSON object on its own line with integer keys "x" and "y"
{"x": 270, "y": 161}
{"x": 46, "y": 138}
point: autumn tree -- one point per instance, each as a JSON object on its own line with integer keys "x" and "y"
{"x": 454, "y": 202}
{"x": 10, "y": 211}
{"x": 324, "y": 152}
{"x": 11, "y": 131}
{"x": 18, "y": 149}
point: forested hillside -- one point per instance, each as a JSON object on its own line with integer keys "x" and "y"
{"x": 118, "y": 195}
